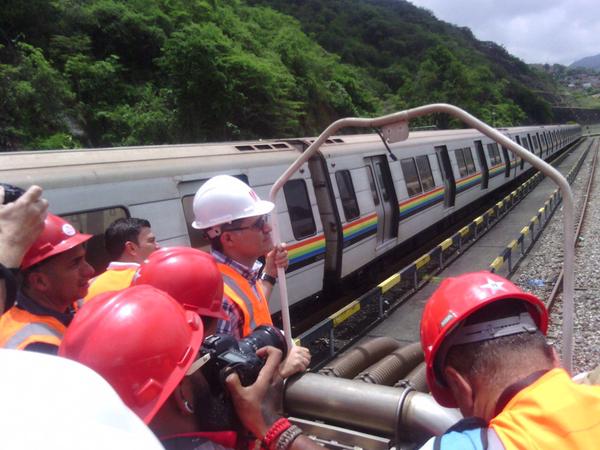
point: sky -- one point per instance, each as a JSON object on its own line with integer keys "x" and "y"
{"x": 536, "y": 31}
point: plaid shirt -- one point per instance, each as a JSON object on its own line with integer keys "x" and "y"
{"x": 234, "y": 324}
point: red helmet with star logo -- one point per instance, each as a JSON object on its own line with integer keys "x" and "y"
{"x": 457, "y": 299}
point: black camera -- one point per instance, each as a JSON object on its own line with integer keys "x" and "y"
{"x": 227, "y": 355}
{"x": 11, "y": 193}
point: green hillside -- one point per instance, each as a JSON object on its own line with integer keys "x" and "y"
{"x": 114, "y": 72}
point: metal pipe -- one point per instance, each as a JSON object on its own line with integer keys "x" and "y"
{"x": 422, "y": 416}
{"x": 394, "y": 366}
{"x": 352, "y": 362}
{"x": 400, "y": 132}
{"x": 417, "y": 379}
{"x": 381, "y": 410}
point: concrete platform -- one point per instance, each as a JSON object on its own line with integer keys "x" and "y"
{"x": 403, "y": 323}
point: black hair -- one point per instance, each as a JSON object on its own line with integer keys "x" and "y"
{"x": 487, "y": 358}
{"x": 120, "y": 232}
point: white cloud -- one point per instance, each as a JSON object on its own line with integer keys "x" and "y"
{"x": 537, "y": 31}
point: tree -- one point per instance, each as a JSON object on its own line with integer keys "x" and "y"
{"x": 35, "y": 101}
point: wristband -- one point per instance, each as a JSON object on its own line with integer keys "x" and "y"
{"x": 276, "y": 429}
{"x": 287, "y": 437}
{"x": 268, "y": 278}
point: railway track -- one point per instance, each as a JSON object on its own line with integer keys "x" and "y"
{"x": 556, "y": 289}
{"x": 346, "y": 326}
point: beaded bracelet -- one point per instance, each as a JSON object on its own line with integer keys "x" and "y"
{"x": 287, "y": 437}
{"x": 276, "y": 429}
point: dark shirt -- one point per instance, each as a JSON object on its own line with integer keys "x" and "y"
{"x": 27, "y": 304}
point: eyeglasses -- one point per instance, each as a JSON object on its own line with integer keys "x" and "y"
{"x": 259, "y": 225}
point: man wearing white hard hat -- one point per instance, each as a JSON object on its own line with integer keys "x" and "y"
{"x": 235, "y": 220}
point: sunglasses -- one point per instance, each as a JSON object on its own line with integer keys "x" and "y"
{"x": 259, "y": 225}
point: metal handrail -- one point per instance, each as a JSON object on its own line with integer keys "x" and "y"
{"x": 394, "y": 125}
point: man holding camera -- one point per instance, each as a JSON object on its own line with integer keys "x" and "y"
{"x": 235, "y": 220}
{"x": 54, "y": 275}
{"x": 149, "y": 349}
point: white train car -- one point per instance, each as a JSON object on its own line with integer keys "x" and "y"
{"x": 345, "y": 208}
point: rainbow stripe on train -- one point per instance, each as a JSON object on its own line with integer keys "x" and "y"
{"x": 365, "y": 226}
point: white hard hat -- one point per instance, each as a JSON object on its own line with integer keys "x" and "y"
{"x": 51, "y": 402}
{"x": 223, "y": 199}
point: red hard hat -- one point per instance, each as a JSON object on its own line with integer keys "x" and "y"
{"x": 57, "y": 237}
{"x": 454, "y": 301}
{"x": 188, "y": 275}
{"x": 140, "y": 340}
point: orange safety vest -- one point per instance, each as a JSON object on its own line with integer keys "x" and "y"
{"x": 237, "y": 288}
{"x": 552, "y": 413}
{"x": 19, "y": 328}
{"x": 116, "y": 277}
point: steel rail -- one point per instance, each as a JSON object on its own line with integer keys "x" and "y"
{"x": 558, "y": 284}
{"x": 395, "y": 129}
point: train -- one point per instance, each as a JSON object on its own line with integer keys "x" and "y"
{"x": 352, "y": 203}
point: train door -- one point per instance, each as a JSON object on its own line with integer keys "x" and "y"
{"x": 330, "y": 218}
{"x": 447, "y": 174}
{"x": 384, "y": 197}
{"x": 518, "y": 139}
{"x": 485, "y": 171}
{"x": 507, "y": 161}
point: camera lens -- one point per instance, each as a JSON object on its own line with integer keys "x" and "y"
{"x": 11, "y": 193}
{"x": 261, "y": 337}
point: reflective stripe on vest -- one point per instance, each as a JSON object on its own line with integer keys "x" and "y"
{"x": 34, "y": 332}
{"x": 552, "y": 413}
{"x": 237, "y": 288}
{"x": 19, "y": 328}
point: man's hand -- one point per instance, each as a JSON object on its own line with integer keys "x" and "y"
{"x": 21, "y": 222}
{"x": 297, "y": 361}
{"x": 257, "y": 405}
{"x": 278, "y": 257}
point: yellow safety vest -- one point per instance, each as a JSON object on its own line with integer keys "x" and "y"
{"x": 552, "y": 413}
{"x": 238, "y": 289}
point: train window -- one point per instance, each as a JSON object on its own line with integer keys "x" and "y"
{"x": 96, "y": 222}
{"x": 425, "y": 173}
{"x": 460, "y": 160}
{"x": 469, "y": 160}
{"x": 347, "y": 194}
{"x": 525, "y": 144}
{"x": 197, "y": 239}
{"x": 536, "y": 144}
{"x": 411, "y": 177}
{"x": 372, "y": 185}
{"x": 494, "y": 154}
{"x": 299, "y": 209}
